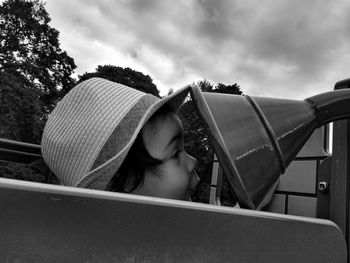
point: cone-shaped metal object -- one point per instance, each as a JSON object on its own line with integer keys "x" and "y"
{"x": 255, "y": 138}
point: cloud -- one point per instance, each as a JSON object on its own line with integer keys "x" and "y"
{"x": 271, "y": 48}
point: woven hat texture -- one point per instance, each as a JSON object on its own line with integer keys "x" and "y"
{"x": 89, "y": 133}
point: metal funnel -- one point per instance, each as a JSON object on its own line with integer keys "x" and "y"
{"x": 255, "y": 138}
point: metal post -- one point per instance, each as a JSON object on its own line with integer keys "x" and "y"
{"x": 339, "y": 201}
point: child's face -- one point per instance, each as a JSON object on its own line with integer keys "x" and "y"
{"x": 175, "y": 178}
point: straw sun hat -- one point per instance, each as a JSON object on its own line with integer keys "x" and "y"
{"x": 89, "y": 133}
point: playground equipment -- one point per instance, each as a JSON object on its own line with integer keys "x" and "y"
{"x": 256, "y": 138}
{"x": 49, "y": 223}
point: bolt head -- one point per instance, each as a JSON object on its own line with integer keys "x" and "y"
{"x": 323, "y": 186}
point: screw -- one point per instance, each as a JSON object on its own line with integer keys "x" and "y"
{"x": 323, "y": 187}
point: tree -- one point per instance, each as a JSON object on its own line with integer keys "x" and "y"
{"x": 197, "y": 143}
{"x": 20, "y": 110}
{"x": 35, "y": 72}
{"x": 29, "y": 47}
{"x": 228, "y": 89}
{"x": 170, "y": 91}
{"x": 126, "y": 76}
{"x": 207, "y": 86}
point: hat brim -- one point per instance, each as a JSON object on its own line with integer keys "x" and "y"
{"x": 100, "y": 177}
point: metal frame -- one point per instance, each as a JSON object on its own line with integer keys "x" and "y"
{"x": 48, "y": 223}
{"x": 20, "y": 152}
{"x": 339, "y": 185}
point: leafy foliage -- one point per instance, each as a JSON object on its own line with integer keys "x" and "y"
{"x": 22, "y": 172}
{"x": 20, "y": 110}
{"x": 126, "y": 76}
{"x": 29, "y": 46}
{"x": 207, "y": 86}
{"x": 35, "y": 72}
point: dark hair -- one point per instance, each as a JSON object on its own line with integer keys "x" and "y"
{"x": 132, "y": 171}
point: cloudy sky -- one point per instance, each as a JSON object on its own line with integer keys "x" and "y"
{"x": 276, "y": 48}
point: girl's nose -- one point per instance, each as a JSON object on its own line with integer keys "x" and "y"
{"x": 191, "y": 165}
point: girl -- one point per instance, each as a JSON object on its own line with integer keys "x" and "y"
{"x": 104, "y": 135}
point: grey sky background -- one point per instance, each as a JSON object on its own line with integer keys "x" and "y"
{"x": 276, "y": 48}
